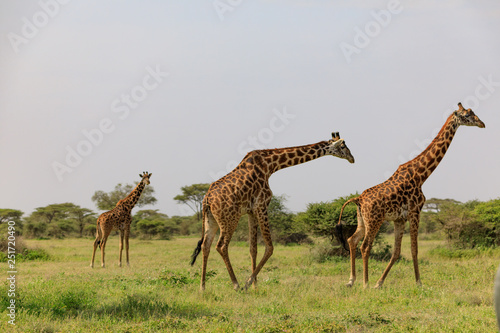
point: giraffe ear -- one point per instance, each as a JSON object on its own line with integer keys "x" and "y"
{"x": 338, "y": 142}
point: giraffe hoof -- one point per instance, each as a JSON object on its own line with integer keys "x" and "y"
{"x": 378, "y": 286}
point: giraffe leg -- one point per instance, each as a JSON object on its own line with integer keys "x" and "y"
{"x": 223, "y": 247}
{"x": 121, "y": 247}
{"x": 103, "y": 246}
{"x": 399, "y": 228}
{"x": 371, "y": 231}
{"x": 253, "y": 232}
{"x": 353, "y": 241}
{"x": 96, "y": 244}
{"x": 126, "y": 236}
{"x": 211, "y": 228}
{"x": 414, "y": 221}
{"x": 266, "y": 235}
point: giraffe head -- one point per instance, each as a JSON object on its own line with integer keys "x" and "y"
{"x": 467, "y": 117}
{"x": 337, "y": 147}
{"x": 145, "y": 177}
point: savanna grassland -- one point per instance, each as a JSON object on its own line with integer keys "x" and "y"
{"x": 159, "y": 292}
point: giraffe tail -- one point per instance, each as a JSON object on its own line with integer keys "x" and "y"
{"x": 98, "y": 234}
{"x": 338, "y": 227}
{"x": 197, "y": 250}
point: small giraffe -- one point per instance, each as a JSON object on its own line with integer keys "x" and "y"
{"x": 119, "y": 218}
{"x": 245, "y": 190}
{"x": 400, "y": 199}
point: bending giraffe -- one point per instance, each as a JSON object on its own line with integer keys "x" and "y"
{"x": 245, "y": 190}
{"x": 119, "y": 218}
{"x": 400, "y": 199}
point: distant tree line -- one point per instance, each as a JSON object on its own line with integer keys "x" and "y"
{"x": 464, "y": 225}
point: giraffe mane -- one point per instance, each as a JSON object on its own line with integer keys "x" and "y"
{"x": 284, "y": 149}
{"x": 430, "y": 144}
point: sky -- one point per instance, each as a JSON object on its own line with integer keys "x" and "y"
{"x": 92, "y": 93}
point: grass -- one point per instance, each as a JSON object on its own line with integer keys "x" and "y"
{"x": 159, "y": 292}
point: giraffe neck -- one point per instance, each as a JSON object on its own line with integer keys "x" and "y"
{"x": 425, "y": 163}
{"x": 131, "y": 199}
{"x": 277, "y": 159}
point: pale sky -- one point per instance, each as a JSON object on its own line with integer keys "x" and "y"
{"x": 92, "y": 93}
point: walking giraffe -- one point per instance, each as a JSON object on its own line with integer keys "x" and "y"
{"x": 245, "y": 190}
{"x": 400, "y": 199}
{"x": 119, "y": 218}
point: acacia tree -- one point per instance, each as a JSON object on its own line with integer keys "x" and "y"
{"x": 108, "y": 200}
{"x": 57, "y": 220}
{"x": 151, "y": 223}
{"x": 7, "y": 215}
{"x": 52, "y": 212}
{"x": 10, "y": 215}
{"x": 82, "y": 216}
{"x": 192, "y": 196}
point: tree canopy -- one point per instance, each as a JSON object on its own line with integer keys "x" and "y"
{"x": 322, "y": 217}
{"x": 108, "y": 200}
{"x": 151, "y": 223}
{"x": 192, "y": 196}
{"x": 10, "y": 215}
{"x": 58, "y": 220}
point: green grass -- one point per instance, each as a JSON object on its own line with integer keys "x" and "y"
{"x": 159, "y": 292}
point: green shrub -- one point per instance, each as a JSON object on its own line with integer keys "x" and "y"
{"x": 33, "y": 254}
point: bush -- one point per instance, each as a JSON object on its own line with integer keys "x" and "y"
{"x": 470, "y": 225}
{"x": 150, "y": 224}
{"x": 23, "y": 253}
{"x": 284, "y": 225}
{"x": 323, "y": 251}
{"x": 33, "y": 254}
{"x": 322, "y": 218}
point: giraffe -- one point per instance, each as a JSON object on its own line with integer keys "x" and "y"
{"x": 118, "y": 218}
{"x": 400, "y": 199}
{"x": 245, "y": 190}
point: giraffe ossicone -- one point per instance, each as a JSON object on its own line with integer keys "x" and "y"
{"x": 119, "y": 218}
{"x": 400, "y": 199}
{"x": 245, "y": 190}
